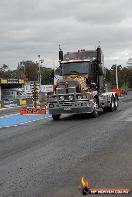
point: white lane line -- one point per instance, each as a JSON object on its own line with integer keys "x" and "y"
{"x": 34, "y": 120}
{"x": 8, "y": 115}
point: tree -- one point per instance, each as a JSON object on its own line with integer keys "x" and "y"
{"x": 5, "y": 72}
{"x": 46, "y": 75}
{"x": 28, "y": 70}
{"x": 129, "y": 62}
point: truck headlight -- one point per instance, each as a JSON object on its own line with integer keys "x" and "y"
{"x": 71, "y": 97}
{"x": 62, "y": 98}
{"x": 79, "y": 97}
{"x": 51, "y": 105}
{"x": 54, "y": 99}
{"x": 84, "y": 96}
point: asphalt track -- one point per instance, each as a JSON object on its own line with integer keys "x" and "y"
{"x": 46, "y": 158}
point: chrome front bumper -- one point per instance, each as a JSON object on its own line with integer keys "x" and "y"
{"x": 70, "y": 108}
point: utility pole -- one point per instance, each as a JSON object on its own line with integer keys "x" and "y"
{"x": 40, "y": 61}
{"x": 116, "y": 78}
{"x": 39, "y": 72}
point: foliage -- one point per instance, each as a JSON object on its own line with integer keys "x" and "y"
{"x": 124, "y": 76}
{"x": 46, "y": 76}
{"x": 29, "y": 71}
{"x": 5, "y": 72}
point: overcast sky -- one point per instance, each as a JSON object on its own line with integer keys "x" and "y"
{"x": 36, "y": 27}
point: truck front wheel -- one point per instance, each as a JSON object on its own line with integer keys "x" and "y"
{"x": 56, "y": 117}
{"x": 116, "y": 102}
{"x": 112, "y": 105}
{"x": 95, "y": 112}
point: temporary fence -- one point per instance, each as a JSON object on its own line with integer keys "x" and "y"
{"x": 117, "y": 91}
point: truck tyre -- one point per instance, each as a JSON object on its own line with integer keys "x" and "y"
{"x": 112, "y": 104}
{"x": 105, "y": 109}
{"x": 56, "y": 117}
{"x": 95, "y": 112}
{"x": 116, "y": 102}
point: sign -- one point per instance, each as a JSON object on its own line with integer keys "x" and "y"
{"x": 21, "y": 81}
{"x": 30, "y": 110}
{"x": 27, "y": 88}
{"x": 13, "y": 81}
{"x": 23, "y": 102}
{"x": 3, "y": 81}
{"x": 46, "y": 88}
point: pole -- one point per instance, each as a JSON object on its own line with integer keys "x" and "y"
{"x": 39, "y": 72}
{"x": 39, "y": 69}
{"x": 40, "y": 76}
{"x": 116, "y": 78}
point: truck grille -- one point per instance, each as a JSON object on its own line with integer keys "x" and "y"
{"x": 66, "y": 104}
{"x": 65, "y": 90}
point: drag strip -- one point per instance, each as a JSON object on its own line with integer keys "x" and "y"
{"x": 17, "y": 119}
{"x": 48, "y": 158}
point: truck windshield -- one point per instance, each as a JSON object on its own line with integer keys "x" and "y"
{"x": 75, "y": 68}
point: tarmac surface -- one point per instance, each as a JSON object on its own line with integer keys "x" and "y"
{"x": 47, "y": 158}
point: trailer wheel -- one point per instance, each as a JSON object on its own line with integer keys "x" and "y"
{"x": 56, "y": 117}
{"x": 95, "y": 112}
{"x": 112, "y": 104}
{"x": 116, "y": 102}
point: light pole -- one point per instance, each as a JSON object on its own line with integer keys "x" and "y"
{"x": 39, "y": 71}
{"x": 116, "y": 78}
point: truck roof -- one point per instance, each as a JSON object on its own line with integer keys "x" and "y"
{"x": 81, "y": 55}
{"x": 76, "y": 60}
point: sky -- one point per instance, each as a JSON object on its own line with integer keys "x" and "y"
{"x": 29, "y": 28}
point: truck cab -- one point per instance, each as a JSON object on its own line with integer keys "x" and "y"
{"x": 82, "y": 87}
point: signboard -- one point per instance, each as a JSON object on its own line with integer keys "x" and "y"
{"x": 27, "y": 88}
{"x": 13, "y": 81}
{"x": 21, "y": 81}
{"x": 3, "y": 81}
{"x": 31, "y": 110}
{"x": 46, "y": 88}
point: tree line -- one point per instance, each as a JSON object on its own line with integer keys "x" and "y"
{"x": 29, "y": 71}
{"x": 124, "y": 77}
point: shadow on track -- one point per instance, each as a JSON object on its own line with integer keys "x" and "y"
{"x": 83, "y": 116}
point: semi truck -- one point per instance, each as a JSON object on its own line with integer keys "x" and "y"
{"x": 82, "y": 87}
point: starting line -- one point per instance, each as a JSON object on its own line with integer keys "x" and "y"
{"x": 17, "y": 119}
